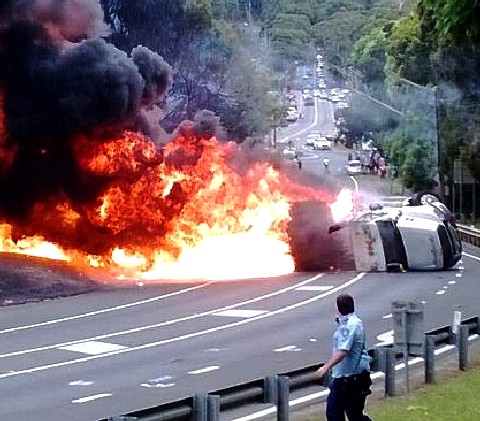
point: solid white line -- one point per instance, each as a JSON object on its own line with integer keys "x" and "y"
{"x": 105, "y": 310}
{"x": 471, "y": 257}
{"x": 184, "y": 336}
{"x": 91, "y": 398}
{"x": 315, "y": 288}
{"x": 205, "y": 369}
{"x": 161, "y": 324}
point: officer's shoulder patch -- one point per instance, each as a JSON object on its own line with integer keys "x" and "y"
{"x": 344, "y": 331}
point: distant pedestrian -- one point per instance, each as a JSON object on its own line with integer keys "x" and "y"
{"x": 299, "y": 165}
{"x": 326, "y": 165}
{"x": 349, "y": 365}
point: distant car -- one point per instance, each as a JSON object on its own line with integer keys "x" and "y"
{"x": 323, "y": 95}
{"x": 334, "y": 98}
{"x": 354, "y": 167}
{"x": 343, "y": 105}
{"x": 309, "y": 100}
{"x": 316, "y": 92}
{"x": 322, "y": 144}
{"x": 322, "y": 85}
{"x": 289, "y": 153}
{"x": 312, "y": 138}
{"x": 292, "y": 116}
{"x": 416, "y": 236}
{"x": 332, "y": 135}
{"x": 305, "y": 77}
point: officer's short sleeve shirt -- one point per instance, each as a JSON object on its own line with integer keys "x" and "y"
{"x": 350, "y": 337}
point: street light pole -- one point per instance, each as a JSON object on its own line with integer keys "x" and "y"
{"x": 440, "y": 173}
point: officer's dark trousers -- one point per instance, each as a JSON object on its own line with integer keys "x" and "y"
{"x": 344, "y": 398}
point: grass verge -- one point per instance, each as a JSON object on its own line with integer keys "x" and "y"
{"x": 453, "y": 399}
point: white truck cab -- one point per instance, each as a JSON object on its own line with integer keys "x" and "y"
{"x": 415, "y": 237}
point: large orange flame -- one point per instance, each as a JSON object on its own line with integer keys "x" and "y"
{"x": 180, "y": 213}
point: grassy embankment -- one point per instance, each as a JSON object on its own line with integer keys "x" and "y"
{"x": 453, "y": 399}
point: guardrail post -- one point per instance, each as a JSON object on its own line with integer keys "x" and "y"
{"x": 389, "y": 372}
{"x": 429, "y": 359}
{"x": 270, "y": 389}
{"x": 463, "y": 347}
{"x": 283, "y": 394}
{"x": 213, "y": 407}
{"x": 200, "y": 408}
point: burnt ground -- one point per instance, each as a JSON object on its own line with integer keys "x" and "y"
{"x": 26, "y": 279}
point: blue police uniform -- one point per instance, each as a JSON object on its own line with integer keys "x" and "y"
{"x": 345, "y": 394}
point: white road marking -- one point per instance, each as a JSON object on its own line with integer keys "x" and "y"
{"x": 205, "y": 369}
{"x": 93, "y": 347}
{"x": 288, "y": 348}
{"x": 458, "y": 275}
{"x": 239, "y": 313}
{"x": 187, "y": 335}
{"x": 440, "y": 292}
{"x": 461, "y": 268}
{"x": 81, "y": 383}
{"x": 312, "y": 340}
{"x": 158, "y": 382}
{"x": 385, "y": 338}
{"x": 157, "y": 385}
{"x": 315, "y": 288}
{"x": 105, "y": 310}
{"x": 91, "y": 398}
{"x": 165, "y": 323}
{"x": 468, "y": 255}
{"x": 387, "y": 316}
{"x": 451, "y": 282}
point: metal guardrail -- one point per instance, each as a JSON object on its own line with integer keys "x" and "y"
{"x": 275, "y": 389}
{"x": 469, "y": 235}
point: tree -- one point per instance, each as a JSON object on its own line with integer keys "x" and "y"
{"x": 452, "y": 20}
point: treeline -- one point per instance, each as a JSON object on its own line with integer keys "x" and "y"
{"x": 231, "y": 57}
{"x": 435, "y": 46}
{"x": 219, "y": 62}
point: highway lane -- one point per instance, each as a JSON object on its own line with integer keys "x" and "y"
{"x": 247, "y": 329}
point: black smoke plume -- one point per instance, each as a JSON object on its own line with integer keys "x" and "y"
{"x": 58, "y": 80}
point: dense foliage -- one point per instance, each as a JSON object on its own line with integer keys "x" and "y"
{"x": 223, "y": 52}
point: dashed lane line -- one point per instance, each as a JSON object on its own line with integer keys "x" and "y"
{"x": 185, "y": 336}
{"x": 161, "y": 324}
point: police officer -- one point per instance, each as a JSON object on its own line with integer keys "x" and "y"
{"x": 349, "y": 365}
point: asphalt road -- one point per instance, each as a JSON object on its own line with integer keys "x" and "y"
{"x": 108, "y": 353}
{"x": 97, "y": 355}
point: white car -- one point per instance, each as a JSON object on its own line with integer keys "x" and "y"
{"x": 292, "y": 116}
{"x": 354, "y": 167}
{"x": 334, "y": 98}
{"x": 289, "y": 153}
{"x": 322, "y": 144}
{"x": 312, "y": 138}
{"x": 414, "y": 236}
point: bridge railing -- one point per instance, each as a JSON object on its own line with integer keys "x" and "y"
{"x": 275, "y": 389}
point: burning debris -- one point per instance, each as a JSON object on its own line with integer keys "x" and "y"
{"x": 80, "y": 182}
